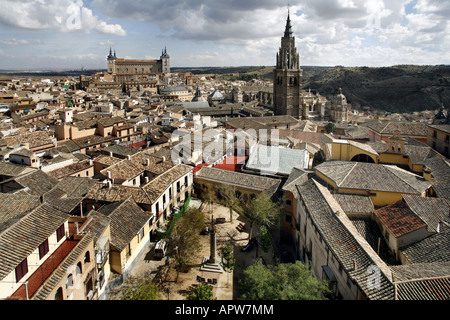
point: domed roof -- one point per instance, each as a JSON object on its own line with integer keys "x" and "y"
{"x": 340, "y": 98}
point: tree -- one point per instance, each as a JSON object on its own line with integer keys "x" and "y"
{"x": 227, "y": 252}
{"x": 330, "y": 127}
{"x": 260, "y": 211}
{"x": 228, "y": 198}
{"x": 208, "y": 195}
{"x": 201, "y": 292}
{"x": 186, "y": 236}
{"x": 144, "y": 291}
{"x": 285, "y": 281}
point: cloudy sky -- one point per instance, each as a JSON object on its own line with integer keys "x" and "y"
{"x": 57, "y": 34}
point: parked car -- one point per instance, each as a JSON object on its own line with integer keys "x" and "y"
{"x": 161, "y": 249}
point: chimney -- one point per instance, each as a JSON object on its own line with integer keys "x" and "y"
{"x": 147, "y": 162}
{"x": 427, "y": 173}
{"x": 354, "y": 264}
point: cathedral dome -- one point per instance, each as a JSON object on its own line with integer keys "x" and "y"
{"x": 340, "y": 98}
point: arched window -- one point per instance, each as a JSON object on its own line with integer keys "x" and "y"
{"x": 59, "y": 294}
{"x": 87, "y": 257}
{"x": 69, "y": 281}
{"x": 79, "y": 269}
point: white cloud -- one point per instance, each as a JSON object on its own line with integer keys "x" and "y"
{"x": 19, "y": 42}
{"x": 60, "y": 15}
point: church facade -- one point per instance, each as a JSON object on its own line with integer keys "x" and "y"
{"x": 288, "y": 96}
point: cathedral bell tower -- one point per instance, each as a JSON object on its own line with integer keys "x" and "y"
{"x": 288, "y": 76}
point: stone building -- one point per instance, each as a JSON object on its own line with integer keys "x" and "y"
{"x": 288, "y": 96}
{"x": 119, "y": 66}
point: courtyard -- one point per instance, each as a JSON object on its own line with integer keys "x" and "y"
{"x": 174, "y": 285}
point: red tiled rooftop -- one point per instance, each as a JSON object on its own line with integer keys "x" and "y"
{"x": 199, "y": 166}
{"x": 232, "y": 163}
{"x": 399, "y": 219}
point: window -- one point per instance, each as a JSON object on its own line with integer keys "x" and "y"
{"x": 434, "y": 134}
{"x": 288, "y": 202}
{"x": 60, "y": 233}
{"x": 79, "y": 269}
{"x": 43, "y": 249}
{"x": 21, "y": 270}
{"x": 69, "y": 281}
{"x": 87, "y": 257}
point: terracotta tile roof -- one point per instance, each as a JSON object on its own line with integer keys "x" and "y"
{"x": 10, "y": 169}
{"x": 35, "y": 183}
{"x": 399, "y": 219}
{"x": 373, "y": 177}
{"x": 422, "y": 281}
{"x": 239, "y": 179}
{"x": 435, "y": 248}
{"x": 352, "y": 203}
{"x": 405, "y": 128}
{"x": 14, "y": 206}
{"x": 22, "y": 238}
{"x": 101, "y": 192}
{"x": 71, "y": 169}
{"x": 341, "y": 242}
{"x": 440, "y": 170}
{"x": 137, "y": 164}
{"x": 430, "y": 210}
{"x": 36, "y": 139}
{"x": 127, "y": 218}
{"x": 157, "y": 186}
{"x": 106, "y": 160}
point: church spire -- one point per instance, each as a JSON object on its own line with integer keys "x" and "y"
{"x": 288, "y": 31}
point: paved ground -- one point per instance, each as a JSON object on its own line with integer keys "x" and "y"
{"x": 179, "y": 284}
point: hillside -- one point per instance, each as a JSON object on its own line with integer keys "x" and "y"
{"x": 402, "y": 88}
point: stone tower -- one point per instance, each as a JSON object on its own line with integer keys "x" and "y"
{"x": 288, "y": 76}
{"x": 111, "y": 61}
{"x": 165, "y": 61}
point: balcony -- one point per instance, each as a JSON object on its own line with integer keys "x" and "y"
{"x": 35, "y": 281}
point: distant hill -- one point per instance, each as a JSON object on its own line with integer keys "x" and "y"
{"x": 401, "y": 88}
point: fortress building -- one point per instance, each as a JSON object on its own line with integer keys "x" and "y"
{"x": 130, "y": 67}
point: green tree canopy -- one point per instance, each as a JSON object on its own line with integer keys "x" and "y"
{"x": 186, "y": 236}
{"x": 286, "y": 281}
{"x": 144, "y": 291}
{"x": 261, "y": 211}
{"x": 201, "y": 292}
